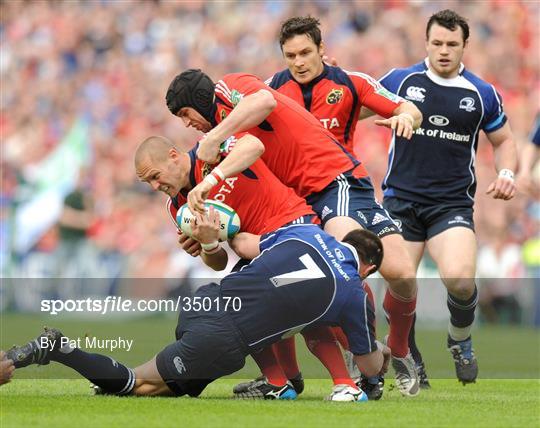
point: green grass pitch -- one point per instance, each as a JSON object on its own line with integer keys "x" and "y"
{"x": 507, "y": 393}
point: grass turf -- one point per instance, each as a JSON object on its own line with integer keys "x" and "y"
{"x": 51, "y": 396}
{"x": 68, "y": 402}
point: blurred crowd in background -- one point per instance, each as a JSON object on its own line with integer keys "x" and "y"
{"x": 83, "y": 83}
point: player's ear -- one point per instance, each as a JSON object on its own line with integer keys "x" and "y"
{"x": 367, "y": 270}
{"x": 322, "y": 48}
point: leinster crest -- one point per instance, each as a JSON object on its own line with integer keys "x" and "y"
{"x": 334, "y": 96}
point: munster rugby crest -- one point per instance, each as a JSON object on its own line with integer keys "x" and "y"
{"x": 334, "y": 96}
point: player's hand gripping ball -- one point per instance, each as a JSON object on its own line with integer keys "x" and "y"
{"x": 229, "y": 222}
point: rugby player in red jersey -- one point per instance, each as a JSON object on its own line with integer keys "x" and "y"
{"x": 308, "y": 158}
{"x": 334, "y": 96}
{"x": 263, "y": 204}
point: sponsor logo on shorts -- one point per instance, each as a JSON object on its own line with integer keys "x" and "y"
{"x": 414, "y": 93}
{"x": 326, "y": 211}
{"x": 179, "y": 364}
{"x": 377, "y": 218}
{"x": 339, "y": 254}
{"x": 398, "y": 223}
{"x": 438, "y": 120}
{"x": 459, "y": 220}
{"x": 334, "y": 96}
{"x": 467, "y": 104}
{"x": 386, "y": 230}
{"x": 361, "y": 216}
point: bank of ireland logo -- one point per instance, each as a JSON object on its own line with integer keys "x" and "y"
{"x": 438, "y": 120}
{"x": 179, "y": 364}
{"x": 467, "y": 104}
{"x": 334, "y": 96}
{"x": 235, "y": 97}
{"x": 415, "y": 93}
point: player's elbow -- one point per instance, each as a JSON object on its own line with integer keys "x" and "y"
{"x": 266, "y": 101}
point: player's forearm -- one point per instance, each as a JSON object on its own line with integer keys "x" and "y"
{"x": 245, "y": 152}
{"x": 250, "y": 112}
{"x": 217, "y": 261}
{"x": 506, "y": 155}
{"x": 409, "y": 108}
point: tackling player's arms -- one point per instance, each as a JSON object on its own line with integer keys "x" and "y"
{"x": 246, "y": 151}
{"x": 248, "y": 113}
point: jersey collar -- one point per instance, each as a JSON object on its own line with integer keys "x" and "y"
{"x": 320, "y": 77}
{"x": 441, "y": 80}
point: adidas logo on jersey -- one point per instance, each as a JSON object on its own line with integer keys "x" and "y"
{"x": 414, "y": 93}
{"x": 378, "y": 218}
{"x": 325, "y": 212}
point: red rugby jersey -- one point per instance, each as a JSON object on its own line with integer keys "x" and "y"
{"x": 298, "y": 149}
{"x": 335, "y": 98}
{"x": 262, "y": 202}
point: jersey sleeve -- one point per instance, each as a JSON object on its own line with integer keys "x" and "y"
{"x": 494, "y": 116}
{"x": 535, "y": 133}
{"x": 375, "y": 96}
{"x": 391, "y": 80}
{"x": 233, "y": 87}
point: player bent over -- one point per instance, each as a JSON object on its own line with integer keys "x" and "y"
{"x": 264, "y": 204}
{"x": 303, "y": 277}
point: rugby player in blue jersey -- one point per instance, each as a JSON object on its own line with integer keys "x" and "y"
{"x": 430, "y": 183}
{"x": 302, "y": 278}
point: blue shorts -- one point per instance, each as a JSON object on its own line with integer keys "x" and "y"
{"x": 421, "y": 222}
{"x": 353, "y": 197}
{"x": 208, "y": 346}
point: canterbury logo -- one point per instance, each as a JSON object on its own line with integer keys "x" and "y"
{"x": 414, "y": 93}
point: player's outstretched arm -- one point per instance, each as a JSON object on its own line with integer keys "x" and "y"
{"x": 406, "y": 118}
{"x": 375, "y": 363}
{"x": 504, "y": 149}
{"x": 248, "y": 113}
{"x": 245, "y": 152}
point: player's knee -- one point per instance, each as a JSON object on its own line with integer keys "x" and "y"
{"x": 461, "y": 288}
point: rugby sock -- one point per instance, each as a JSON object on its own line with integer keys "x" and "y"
{"x": 400, "y": 313}
{"x": 110, "y": 375}
{"x": 285, "y": 351}
{"x": 322, "y": 343}
{"x": 417, "y": 356}
{"x": 269, "y": 365}
{"x": 341, "y": 337}
{"x": 461, "y": 315}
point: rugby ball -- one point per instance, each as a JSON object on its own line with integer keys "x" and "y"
{"x": 229, "y": 222}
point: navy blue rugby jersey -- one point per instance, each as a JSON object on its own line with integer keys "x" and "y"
{"x": 438, "y": 164}
{"x": 302, "y": 276}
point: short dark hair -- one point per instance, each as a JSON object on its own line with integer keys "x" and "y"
{"x": 300, "y": 25}
{"x": 448, "y": 19}
{"x": 367, "y": 245}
